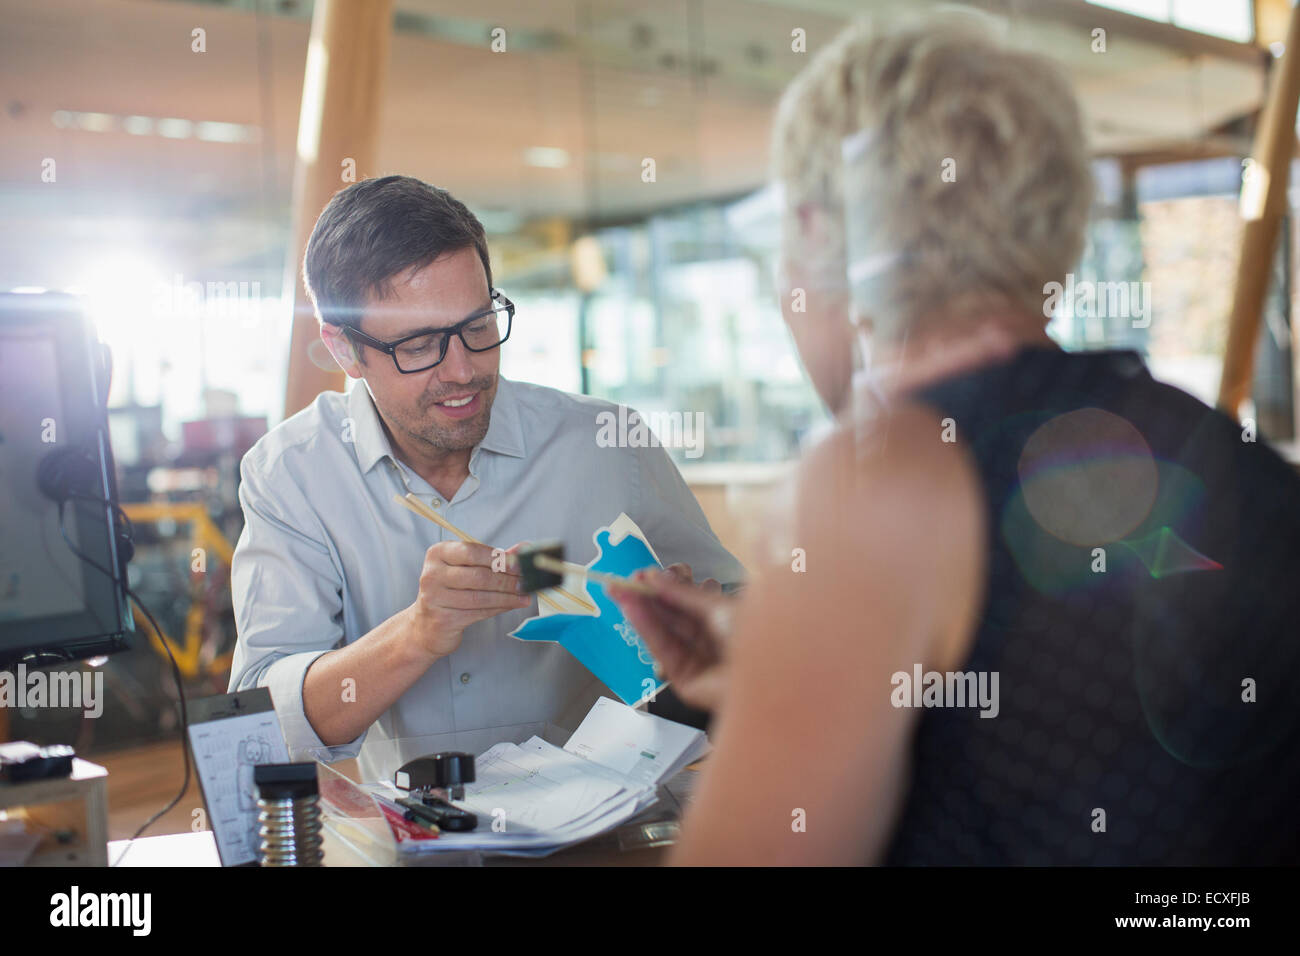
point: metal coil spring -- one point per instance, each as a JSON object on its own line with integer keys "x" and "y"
{"x": 290, "y": 832}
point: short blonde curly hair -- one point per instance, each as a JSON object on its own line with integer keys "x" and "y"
{"x": 926, "y": 97}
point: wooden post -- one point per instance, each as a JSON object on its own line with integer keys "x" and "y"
{"x": 347, "y": 59}
{"x": 1263, "y": 206}
{"x": 1271, "y": 19}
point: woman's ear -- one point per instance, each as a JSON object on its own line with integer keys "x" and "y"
{"x": 342, "y": 348}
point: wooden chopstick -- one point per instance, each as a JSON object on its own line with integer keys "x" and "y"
{"x": 420, "y": 508}
{"x": 555, "y": 566}
{"x": 424, "y": 511}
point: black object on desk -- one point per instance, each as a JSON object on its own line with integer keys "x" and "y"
{"x": 21, "y": 761}
{"x": 445, "y": 771}
{"x": 435, "y": 810}
{"x": 448, "y": 772}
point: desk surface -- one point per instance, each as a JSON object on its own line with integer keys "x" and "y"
{"x": 200, "y": 849}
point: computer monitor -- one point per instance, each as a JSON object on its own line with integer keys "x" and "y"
{"x": 54, "y": 443}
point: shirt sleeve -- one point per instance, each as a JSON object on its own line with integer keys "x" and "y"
{"x": 674, "y": 524}
{"x": 287, "y": 590}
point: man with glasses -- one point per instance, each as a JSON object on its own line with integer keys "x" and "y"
{"x": 380, "y": 634}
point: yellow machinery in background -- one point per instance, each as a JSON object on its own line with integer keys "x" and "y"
{"x": 196, "y": 655}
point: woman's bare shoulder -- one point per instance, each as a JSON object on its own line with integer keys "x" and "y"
{"x": 897, "y": 499}
{"x": 909, "y": 459}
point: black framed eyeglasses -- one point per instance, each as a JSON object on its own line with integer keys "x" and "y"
{"x": 480, "y": 332}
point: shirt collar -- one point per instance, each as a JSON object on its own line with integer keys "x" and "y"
{"x": 505, "y": 434}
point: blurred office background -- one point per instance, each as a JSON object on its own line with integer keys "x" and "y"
{"x": 171, "y": 208}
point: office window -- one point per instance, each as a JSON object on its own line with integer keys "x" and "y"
{"x": 685, "y": 322}
{"x": 1158, "y": 277}
{"x": 1230, "y": 19}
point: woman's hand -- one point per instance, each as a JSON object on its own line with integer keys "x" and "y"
{"x": 686, "y": 626}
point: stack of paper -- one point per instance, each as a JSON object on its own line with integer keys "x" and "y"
{"x": 534, "y": 798}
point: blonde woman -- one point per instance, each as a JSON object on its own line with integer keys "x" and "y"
{"x": 1046, "y": 611}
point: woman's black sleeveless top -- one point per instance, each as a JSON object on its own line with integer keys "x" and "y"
{"x": 1148, "y": 702}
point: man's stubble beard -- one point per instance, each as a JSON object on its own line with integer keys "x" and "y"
{"x": 460, "y": 435}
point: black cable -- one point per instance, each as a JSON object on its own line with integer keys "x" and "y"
{"x": 126, "y": 520}
{"x": 162, "y": 638}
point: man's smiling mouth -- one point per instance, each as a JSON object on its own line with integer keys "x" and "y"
{"x": 457, "y": 407}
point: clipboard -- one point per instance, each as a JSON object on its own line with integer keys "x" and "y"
{"x": 230, "y": 734}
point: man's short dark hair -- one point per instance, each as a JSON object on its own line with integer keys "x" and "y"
{"x": 375, "y": 229}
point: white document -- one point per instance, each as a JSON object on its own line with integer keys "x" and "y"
{"x": 642, "y": 747}
{"x": 536, "y": 791}
{"x": 534, "y": 798}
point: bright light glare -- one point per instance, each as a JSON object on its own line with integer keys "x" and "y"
{"x": 121, "y": 294}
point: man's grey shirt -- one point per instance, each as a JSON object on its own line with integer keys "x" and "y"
{"x": 327, "y": 555}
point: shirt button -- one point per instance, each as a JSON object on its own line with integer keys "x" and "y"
{"x": 464, "y": 678}
{"x": 437, "y": 503}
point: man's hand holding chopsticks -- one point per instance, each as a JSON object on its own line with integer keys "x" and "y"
{"x": 462, "y": 584}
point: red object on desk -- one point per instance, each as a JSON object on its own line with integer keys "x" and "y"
{"x": 403, "y": 829}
